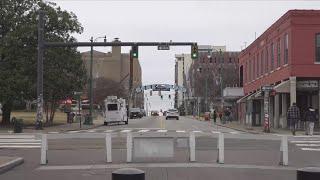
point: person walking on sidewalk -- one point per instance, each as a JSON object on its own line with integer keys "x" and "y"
{"x": 293, "y": 116}
{"x": 214, "y": 116}
{"x": 310, "y": 118}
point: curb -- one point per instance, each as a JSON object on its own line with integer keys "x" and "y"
{"x": 242, "y": 130}
{"x": 11, "y": 164}
{"x": 82, "y": 128}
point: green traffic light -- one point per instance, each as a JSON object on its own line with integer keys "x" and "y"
{"x": 135, "y": 55}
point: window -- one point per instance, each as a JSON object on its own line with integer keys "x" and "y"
{"x": 215, "y": 59}
{"x": 112, "y": 107}
{"x": 318, "y": 47}
{"x": 278, "y": 53}
{"x": 253, "y": 68}
{"x": 261, "y": 64}
{"x": 272, "y": 56}
{"x": 229, "y": 59}
{"x": 286, "y": 46}
{"x": 247, "y": 73}
{"x": 258, "y": 69}
{"x": 267, "y": 60}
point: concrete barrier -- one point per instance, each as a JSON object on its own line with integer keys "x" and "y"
{"x": 192, "y": 147}
{"x": 220, "y": 146}
{"x": 129, "y": 147}
{"x": 284, "y": 151}
{"x": 108, "y": 148}
{"x": 44, "y": 149}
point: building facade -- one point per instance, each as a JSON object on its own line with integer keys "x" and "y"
{"x": 285, "y": 57}
{"x": 114, "y": 66}
{"x": 205, "y": 77}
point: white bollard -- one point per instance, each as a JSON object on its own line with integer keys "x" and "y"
{"x": 192, "y": 147}
{"x": 129, "y": 147}
{"x": 44, "y": 149}
{"x": 220, "y": 148}
{"x": 284, "y": 151}
{"x": 108, "y": 148}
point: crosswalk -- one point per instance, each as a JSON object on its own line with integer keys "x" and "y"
{"x": 307, "y": 143}
{"x": 145, "y": 130}
{"x": 19, "y": 142}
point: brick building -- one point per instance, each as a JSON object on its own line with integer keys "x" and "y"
{"x": 287, "y": 57}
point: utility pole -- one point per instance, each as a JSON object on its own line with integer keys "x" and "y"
{"x": 39, "y": 119}
{"x": 89, "y": 120}
{"x": 130, "y": 78}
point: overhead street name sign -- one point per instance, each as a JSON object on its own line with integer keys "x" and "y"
{"x": 163, "y": 47}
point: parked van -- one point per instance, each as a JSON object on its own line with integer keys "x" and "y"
{"x": 115, "y": 110}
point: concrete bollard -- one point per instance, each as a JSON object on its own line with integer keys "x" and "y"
{"x": 220, "y": 145}
{"x": 192, "y": 147}
{"x": 44, "y": 149}
{"x": 108, "y": 148}
{"x": 284, "y": 151}
{"x": 128, "y": 174}
{"x": 309, "y": 173}
{"x": 129, "y": 147}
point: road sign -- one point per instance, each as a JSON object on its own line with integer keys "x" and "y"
{"x": 267, "y": 88}
{"x": 163, "y": 47}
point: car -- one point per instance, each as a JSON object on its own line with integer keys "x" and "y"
{"x": 154, "y": 113}
{"x": 135, "y": 113}
{"x": 172, "y": 113}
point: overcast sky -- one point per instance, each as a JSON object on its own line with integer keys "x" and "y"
{"x": 230, "y": 23}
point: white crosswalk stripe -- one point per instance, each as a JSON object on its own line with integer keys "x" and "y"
{"x": 162, "y": 130}
{"x": 197, "y": 131}
{"x": 307, "y": 143}
{"x": 180, "y": 131}
{"x": 19, "y": 141}
{"x": 234, "y": 132}
{"x": 126, "y": 130}
{"x": 143, "y": 130}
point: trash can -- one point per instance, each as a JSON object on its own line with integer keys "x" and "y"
{"x": 17, "y": 125}
{"x": 128, "y": 174}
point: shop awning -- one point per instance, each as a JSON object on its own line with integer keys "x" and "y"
{"x": 283, "y": 87}
{"x": 243, "y": 99}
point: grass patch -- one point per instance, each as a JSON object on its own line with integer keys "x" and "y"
{"x": 29, "y": 118}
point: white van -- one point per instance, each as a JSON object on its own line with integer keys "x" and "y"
{"x": 115, "y": 110}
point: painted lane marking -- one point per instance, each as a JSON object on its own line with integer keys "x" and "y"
{"x": 180, "y": 131}
{"x": 126, "y": 130}
{"x": 305, "y": 141}
{"x": 17, "y": 146}
{"x": 308, "y": 145}
{"x": 143, "y": 130}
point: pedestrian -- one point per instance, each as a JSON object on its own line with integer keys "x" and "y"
{"x": 227, "y": 115}
{"x": 293, "y": 115}
{"x": 310, "y": 118}
{"x": 214, "y": 116}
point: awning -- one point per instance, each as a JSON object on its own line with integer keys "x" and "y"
{"x": 243, "y": 99}
{"x": 283, "y": 87}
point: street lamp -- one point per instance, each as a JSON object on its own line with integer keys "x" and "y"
{"x": 89, "y": 120}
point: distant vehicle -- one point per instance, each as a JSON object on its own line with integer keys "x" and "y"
{"x": 115, "y": 110}
{"x": 172, "y": 113}
{"x": 135, "y": 113}
{"x": 154, "y": 113}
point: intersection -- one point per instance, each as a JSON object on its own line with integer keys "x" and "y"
{"x": 76, "y": 157}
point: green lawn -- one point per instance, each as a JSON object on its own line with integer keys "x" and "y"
{"x": 29, "y": 117}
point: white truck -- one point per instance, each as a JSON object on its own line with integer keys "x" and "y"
{"x": 115, "y": 110}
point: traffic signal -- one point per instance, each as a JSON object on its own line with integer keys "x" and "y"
{"x": 134, "y": 53}
{"x": 169, "y": 96}
{"x": 161, "y": 97}
{"x": 194, "y": 51}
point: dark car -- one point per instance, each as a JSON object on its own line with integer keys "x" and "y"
{"x": 135, "y": 113}
{"x": 154, "y": 113}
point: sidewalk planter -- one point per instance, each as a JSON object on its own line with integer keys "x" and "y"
{"x": 17, "y": 125}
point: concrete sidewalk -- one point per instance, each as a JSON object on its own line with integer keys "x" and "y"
{"x": 7, "y": 163}
{"x": 61, "y": 128}
{"x": 252, "y": 129}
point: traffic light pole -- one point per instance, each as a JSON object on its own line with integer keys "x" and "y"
{"x": 89, "y": 121}
{"x": 42, "y": 45}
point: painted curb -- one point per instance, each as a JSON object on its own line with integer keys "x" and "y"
{"x": 11, "y": 164}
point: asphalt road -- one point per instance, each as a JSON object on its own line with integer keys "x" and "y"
{"x": 247, "y": 156}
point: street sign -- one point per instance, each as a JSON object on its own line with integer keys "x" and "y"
{"x": 267, "y": 88}
{"x": 161, "y": 87}
{"x": 163, "y": 47}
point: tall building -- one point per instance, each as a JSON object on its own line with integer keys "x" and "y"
{"x": 285, "y": 58}
{"x": 114, "y": 66}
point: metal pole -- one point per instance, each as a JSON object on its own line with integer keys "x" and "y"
{"x": 79, "y": 99}
{"x": 89, "y": 121}
{"x": 40, "y": 71}
{"x": 130, "y": 77}
{"x": 206, "y": 94}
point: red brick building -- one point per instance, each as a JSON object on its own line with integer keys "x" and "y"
{"x": 287, "y": 57}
